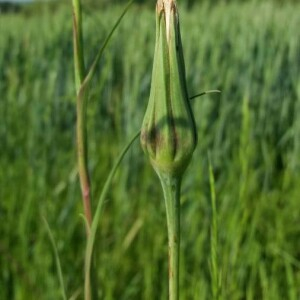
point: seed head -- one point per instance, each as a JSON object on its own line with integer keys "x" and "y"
{"x": 168, "y": 134}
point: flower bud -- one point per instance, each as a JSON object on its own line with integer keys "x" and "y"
{"x": 168, "y": 134}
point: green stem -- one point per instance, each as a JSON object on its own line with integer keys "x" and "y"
{"x": 82, "y": 95}
{"x": 82, "y": 159}
{"x": 171, "y": 189}
{"x": 78, "y": 44}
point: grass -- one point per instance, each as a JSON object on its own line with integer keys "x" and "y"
{"x": 252, "y": 131}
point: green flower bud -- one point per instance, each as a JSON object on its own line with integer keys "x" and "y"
{"x": 168, "y": 134}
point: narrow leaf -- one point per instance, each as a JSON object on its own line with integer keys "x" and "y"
{"x": 204, "y": 93}
{"x": 57, "y": 260}
{"x": 92, "y": 68}
{"x": 91, "y": 239}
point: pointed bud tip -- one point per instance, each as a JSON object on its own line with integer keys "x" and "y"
{"x": 166, "y": 5}
{"x": 168, "y": 9}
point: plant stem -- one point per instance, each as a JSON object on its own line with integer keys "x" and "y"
{"x": 214, "y": 238}
{"x": 82, "y": 78}
{"x": 171, "y": 189}
{"x": 82, "y": 95}
{"x": 82, "y": 160}
{"x": 78, "y": 44}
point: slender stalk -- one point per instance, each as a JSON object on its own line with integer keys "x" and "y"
{"x": 82, "y": 78}
{"x": 81, "y": 134}
{"x": 171, "y": 188}
{"x": 81, "y": 137}
{"x": 214, "y": 239}
{"x": 78, "y": 44}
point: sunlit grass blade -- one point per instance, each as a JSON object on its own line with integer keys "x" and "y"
{"x": 57, "y": 259}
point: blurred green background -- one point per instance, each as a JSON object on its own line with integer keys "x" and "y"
{"x": 248, "y": 50}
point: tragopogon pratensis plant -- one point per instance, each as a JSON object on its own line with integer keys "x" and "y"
{"x": 168, "y": 134}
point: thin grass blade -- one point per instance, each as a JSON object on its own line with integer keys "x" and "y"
{"x": 92, "y": 68}
{"x": 57, "y": 260}
{"x": 91, "y": 239}
{"x": 204, "y": 93}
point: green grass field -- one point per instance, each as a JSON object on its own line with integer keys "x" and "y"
{"x": 251, "y": 52}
